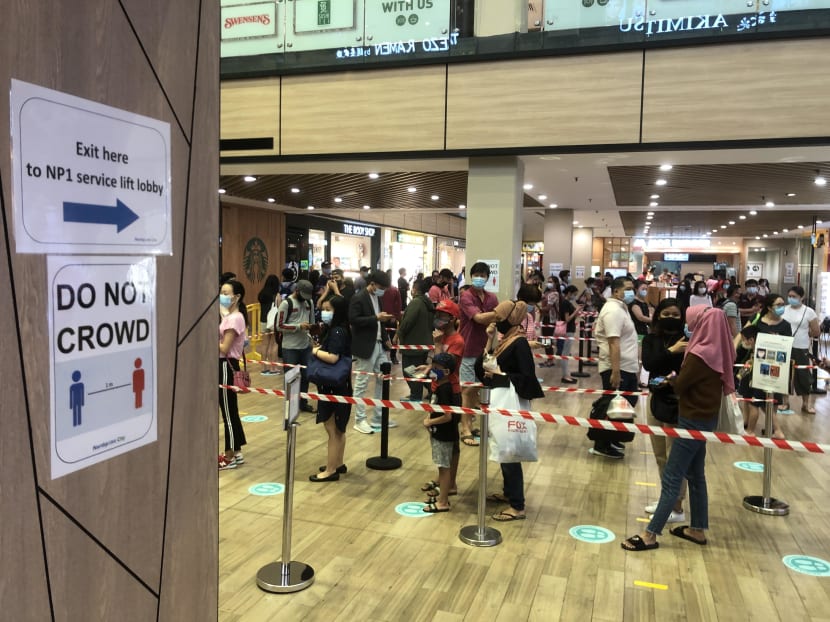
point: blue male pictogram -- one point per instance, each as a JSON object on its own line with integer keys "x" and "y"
{"x": 76, "y": 398}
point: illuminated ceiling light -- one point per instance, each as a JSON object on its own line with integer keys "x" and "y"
{"x": 731, "y": 222}
{"x": 666, "y": 167}
{"x": 649, "y": 213}
{"x": 757, "y": 237}
{"x": 800, "y": 226}
{"x": 338, "y": 200}
{"x": 753, "y": 213}
{"x": 765, "y": 236}
{"x": 462, "y": 206}
{"x": 654, "y": 196}
{"x": 249, "y": 178}
{"x": 295, "y": 190}
{"x": 528, "y": 186}
{"x": 820, "y": 181}
{"x": 272, "y": 200}
{"x": 366, "y": 207}
{"x": 714, "y": 230}
{"x": 435, "y": 197}
{"x": 581, "y": 227}
{"x": 791, "y": 194}
{"x": 649, "y": 217}
{"x": 774, "y": 233}
{"x": 373, "y": 175}
{"x": 576, "y": 222}
{"x": 543, "y": 197}
{"x": 412, "y": 189}
{"x": 763, "y": 248}
{"x": 653, "y": 204}
{"x": 742, "y": 217}
{"x": 818, "y": 222}
{"x": 785, "y": 230}
{"x": 553, "y": 205}
{"x": 769, "y": 204}
{"x": 310, "y": 207}
{"x": 723, "y": 226}
{"x": 222, "y": 191}
{"x": 660, "y": 182}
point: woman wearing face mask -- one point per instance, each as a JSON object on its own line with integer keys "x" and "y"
{"x": 569, "y": 310}
{"x": 700, "y": 295}
{"x": 641, "y": 314}
{"x": 684, "y": 293}
{"x": 763, "y": 288}
{"x": 231, "y": 346}
{"x": 513, "y": 388}
{"x": 772, "y": 322}
{"x": 804, "y": 323}
{"x": 336, "y": 342}
{"x": 549, "y": 308}
{"x": 663, "y": 351}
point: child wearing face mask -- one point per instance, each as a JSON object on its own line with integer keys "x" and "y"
{"x": 443, "y": 430}
{"x": 700, "y": 295}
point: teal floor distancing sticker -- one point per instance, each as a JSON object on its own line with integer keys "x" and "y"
{"x": 591, "y": 534}
{"x": 755, "y": 467}
{"x": 789, "y": 411}
{"x": 412, "y": 509}
{"x": 254, "y": 418}
{"x": 804, "y": 564}
{"x": 266, "y": 489}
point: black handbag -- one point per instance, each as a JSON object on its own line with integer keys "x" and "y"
{"x": 328, "y": 375}
{"x": 599, "y": 410}
{"x": 664, "y": 406}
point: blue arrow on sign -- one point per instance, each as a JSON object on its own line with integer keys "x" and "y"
{"x": 121, "y": 216}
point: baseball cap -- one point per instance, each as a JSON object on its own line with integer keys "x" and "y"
{"x": 448, "y": 306}
{"x": 445, "y": 360}
{"x": 325, "y": 264}
{"x": 305, "y": 289}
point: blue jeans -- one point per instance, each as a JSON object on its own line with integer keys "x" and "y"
{"x": 514, "y": 484}
{"x": 686, "y": 459}
{"x": 361, "y": 382}
{"x": 299, "y": 357}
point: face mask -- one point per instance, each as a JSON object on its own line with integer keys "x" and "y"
{"x": 440, "y": 324}
{"x": 628, "y": 296}
{"x": 326, "y": 271}
{"x": 326, "y": 316}
{"x": 379, "y": 292}
{"x": 436, "y": 374}
{"x": 682, "y": 288}
{"x": 549, "y": 285}
{"x": 793, "y": 302}
{"x": 503, "y": 326}
{"x": 751, "y": 290}
{"x": 687, "y": 332}
{"x": 531, "y": 308}
{"x": 572, "y": 298}
{"x": 225, "y": 301}
{"x": 779, "y": 310}
{"x": 642, "y": 293}
{"x": 670, "y": 324}
{"x": 479, "y": 281}
{"x": 701, "y": 291}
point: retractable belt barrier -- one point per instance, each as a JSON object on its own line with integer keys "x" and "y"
{"x": 614, "y": 426}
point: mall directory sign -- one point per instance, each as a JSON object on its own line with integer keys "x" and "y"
{"x": 87, "y": 178}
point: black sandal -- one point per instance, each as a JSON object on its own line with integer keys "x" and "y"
{"x": 636, "y": 543}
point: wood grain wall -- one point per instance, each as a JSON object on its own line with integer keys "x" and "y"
{"x": 134, "y": 537}
{"x": 768, "y": 89}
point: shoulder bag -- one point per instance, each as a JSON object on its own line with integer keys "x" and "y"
{"x": 241, "y": 377}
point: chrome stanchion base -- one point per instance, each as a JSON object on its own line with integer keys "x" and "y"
{"x": 379, "y": 463}
{"x": 474, "y": 537}
{"x": 774, "y": 507}
{"x": 282, "y": 578}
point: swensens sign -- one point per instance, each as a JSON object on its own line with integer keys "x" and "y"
{"x": 249, "y": 20}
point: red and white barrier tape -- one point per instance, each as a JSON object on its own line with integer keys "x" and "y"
{"x": 614, "y": 426}
{"x": 559, "y": 357}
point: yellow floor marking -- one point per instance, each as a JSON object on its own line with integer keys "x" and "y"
{"x": 646, "y": 453}
{"x": 654, "y": 586}
{"x": 646, "y": 484}
{"x": 640, "y": 519}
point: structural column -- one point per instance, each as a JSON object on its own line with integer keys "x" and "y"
{"x": 558, "y": 239}
{"x": 494, "y": 218}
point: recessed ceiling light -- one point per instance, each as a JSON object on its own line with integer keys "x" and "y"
{"x": 528, "y": 186}
{"x": 366, "y": 207}
{"x": 820, "y": 181}
{"x": 818, "y": 222}
{"x": 295, "y": 190}
{"x": 649, "y": 213}
{"x": 249, "y": 178}
{"x": 310, "y": 207}
{"x": 753, "y": 213}
{"x": 338, "y": 200}
{"x": 462, "y": 206}
{"x": 723, "y": 226}
{"x": 731, "y": 222}
{"x": 435, "y": 197}
{"x": 800, "y": 226}
{"x": 576, "y": 222}
{"x": 666, "y": 167}
{"x": 373, "y": 175}
{"x": 757, "y": 237}
{"x": 661, "y": 182}
{"x": 763, "y": 248}
{"x": 553, "y": 205}
{"x": 543, "y": 197}
{"x": 742, "y": 217}
{"x": 222, "y": 191}
{"x": 649, "y": 217}
{"x": 769, "y": 204}
{"x": 272, "y": 200}
{"x": 412, "y": 189}
{"x": 774, "y": 233}
{"x": 714, "y": 230}
{"x": 791, "y": 194}
{"x": 785, "y": 230}
{"x": 654, "y": 196}
{"x": 765, "y": 236}
{"x": 653, "y": 204}
{"x": 581, "y": 227}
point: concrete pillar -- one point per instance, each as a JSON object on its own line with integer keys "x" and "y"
{"x": 494, "y": 218}
{"x": 558, "y": 239}
{"x": 498, "y": 17}
{"x": 581, "y": 255}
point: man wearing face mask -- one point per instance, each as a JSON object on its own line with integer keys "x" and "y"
{"x": 415, "y": 329}
{"x": 749, "y": 303}
{"x": 618, "y": 361}
{"x": 369, "y": 344}
{"x": 476, "y": 306}
{"x": 294, "y": 318}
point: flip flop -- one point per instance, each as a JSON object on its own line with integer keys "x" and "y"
{"x": 435, "y": 492}
{"x": 636, "y": 543}
{"x": 470, "y": 441}
{"x": 498, "y": 498}
{"x": 504, "y": 517}
{"x": 430, "y": 485}
{"x": 431, "y": 508}
{"x": 680, "y": 532}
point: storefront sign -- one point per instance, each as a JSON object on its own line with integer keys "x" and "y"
{"x": 771, "y": 364}
{"x": 102, "y": 358}
{"x": 533, "y": 247}
{"x": 249, "y": 20}
{"x": 409, "y": 238}
{"x": 361, "y": 230}
{"x": 666, "y": 25}
{"x": 675, "y": 256}
{"x": 311, "y": 16}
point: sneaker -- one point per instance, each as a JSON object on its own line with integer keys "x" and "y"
{"x": 392, "y": 424}
{"x": 239, "y": 458}
{"x": 225, "y": 464}
{"x": 268, "y": 372}
{"x": 676, "y": 517}
{"x": 363, "y": 427}
{"x": 651, "y": 508}
{"x": 618, "y": 446}
{"x": 610, "y": 452}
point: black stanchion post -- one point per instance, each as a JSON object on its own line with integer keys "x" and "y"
{"x": 581, "y": 373}
{"x": 384, "y": 462}
{"x": 765, "y": 504}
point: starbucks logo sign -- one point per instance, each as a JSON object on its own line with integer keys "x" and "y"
{"x": 255, "y": 260}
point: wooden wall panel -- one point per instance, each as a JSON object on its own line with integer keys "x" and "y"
{"x": 251, "y": 109}
{"x": 366, "y": 111}
{"x": 773, "y": 89}
{"x": 574, "y": 100}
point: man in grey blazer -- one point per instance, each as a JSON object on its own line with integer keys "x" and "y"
{"x": 369, "y": 344}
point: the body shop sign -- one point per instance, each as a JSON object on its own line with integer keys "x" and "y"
{"x": 249, "y": 20}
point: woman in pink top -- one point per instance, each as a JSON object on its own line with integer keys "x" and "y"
{"x": 231, "y": 345}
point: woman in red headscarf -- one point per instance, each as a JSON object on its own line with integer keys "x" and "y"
{"x": 704, "y": 378}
